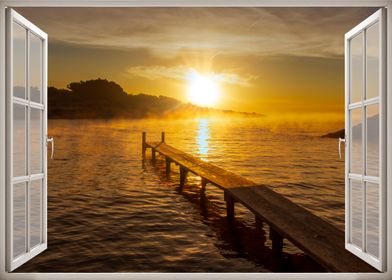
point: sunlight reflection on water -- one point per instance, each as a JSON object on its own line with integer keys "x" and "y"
{"x": 108, "y": 211}
{"x": 203, "y": 137}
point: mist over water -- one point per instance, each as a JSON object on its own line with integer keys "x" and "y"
{"x": 108, "y": 211}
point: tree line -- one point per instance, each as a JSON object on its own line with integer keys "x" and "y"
{"x": 103, "y": 99}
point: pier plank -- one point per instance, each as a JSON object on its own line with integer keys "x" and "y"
{"x": 217, "y": 176}
{"x": 316, "y": 237}
{"x": 310, "y": 233}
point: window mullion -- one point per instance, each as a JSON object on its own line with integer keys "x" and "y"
{"x": 364, "y": 129}
{"x": 28, "y": 185}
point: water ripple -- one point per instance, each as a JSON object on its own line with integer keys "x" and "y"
{"x": 108, "y": 211}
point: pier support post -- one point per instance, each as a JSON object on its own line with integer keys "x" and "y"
{"x": 153, "y": 155}
{"x": 203, "y": 184}
{"x": 144, "y": 148}
{"x": 168, "y": 162}
{"x": 259, "y": 223}
{"x": 163, "y": 137}
{"x": 229, "y": 207}
{"x": 277, "y": 242}
{"x": 183, "y": 174}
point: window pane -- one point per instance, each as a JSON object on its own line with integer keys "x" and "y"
{"x": 19, "y": 140}
{"x": 356, "y": 141}
{"x": 372, "y": 218}
{"x": 19, "y": 219}
{"x": 356, "y": 69}
{"x": 373, "y": 61}
{"x": 356, "y": 212}
{"x": 35, "y": 68}
{"x": 372, "y": 140}
{"x": 19, "y": 61}
{"x": 36, "y": 141}
{"x": 36, "y": 212}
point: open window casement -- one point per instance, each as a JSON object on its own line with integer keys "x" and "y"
{"x": 26, "y": 140}
{"x": 365, "y": 157}
{"x": 365, "y": 138}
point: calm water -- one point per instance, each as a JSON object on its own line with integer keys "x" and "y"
{"x": 108, "y": 211}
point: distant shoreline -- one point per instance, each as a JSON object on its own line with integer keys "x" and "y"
{"x": 335, "y": 134}
{"x": 103, "y": 99}
{"x": 231, "y": 115}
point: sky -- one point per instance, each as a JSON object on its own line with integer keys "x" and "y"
{"x": 274, "y": 61}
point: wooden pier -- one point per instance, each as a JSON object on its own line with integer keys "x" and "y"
{"x": 313, "y": 235}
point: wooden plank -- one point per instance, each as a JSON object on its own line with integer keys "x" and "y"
{"x": 215, "y": 175}
{"x": 316, "y": 237}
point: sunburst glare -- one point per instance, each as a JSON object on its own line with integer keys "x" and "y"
{"x": 203, "y": 90}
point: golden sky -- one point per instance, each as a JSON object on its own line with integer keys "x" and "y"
{"x": 275, "y": 61}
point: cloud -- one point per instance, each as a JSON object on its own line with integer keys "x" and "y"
{"x": 183, "y": 73}
{"x": 158, "y": 72}
{"x": 168, "y": 31}
{"x": 235, "y": 79}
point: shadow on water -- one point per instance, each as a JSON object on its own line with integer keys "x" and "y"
{"x": 240, "y": 238}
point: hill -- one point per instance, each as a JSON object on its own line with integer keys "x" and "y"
{"x": 103, "y": 99}
{"x": 373, "y": 130}
{"x": 335, "y": 134}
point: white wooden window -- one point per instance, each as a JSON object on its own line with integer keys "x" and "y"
{"x": 365, "y": 60}
{"x": 26, "y": 140}
{"x": 5, "y": 159}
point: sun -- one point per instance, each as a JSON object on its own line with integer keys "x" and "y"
{"x": 203, "y": 90}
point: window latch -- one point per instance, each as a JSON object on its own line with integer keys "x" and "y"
{"x": 50, "y": 140}
{"x": 339, "y": 146}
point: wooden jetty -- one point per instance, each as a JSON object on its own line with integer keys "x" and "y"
{"x": 313, "y": 235}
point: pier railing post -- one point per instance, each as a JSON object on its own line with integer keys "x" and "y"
{"x": 259, "y": 223}
{"x": 168, "y": 162}
{"x": 183, "y": 174}
{"x": 144, "y": 144}
{"x": 229, "y": 207}
{"x": 277, "y": 242}
{"x": 203, "y": 184}
{"x": 163, "y": 137}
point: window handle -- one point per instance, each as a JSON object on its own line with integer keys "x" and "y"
{"x": 340, "y": 150}
{"x": 51, "y": 140}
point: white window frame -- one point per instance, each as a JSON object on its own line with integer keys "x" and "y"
{"x": 42, "y": 106}
{"x": 378, "y": 16}
{"x": 193, "y": 3}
